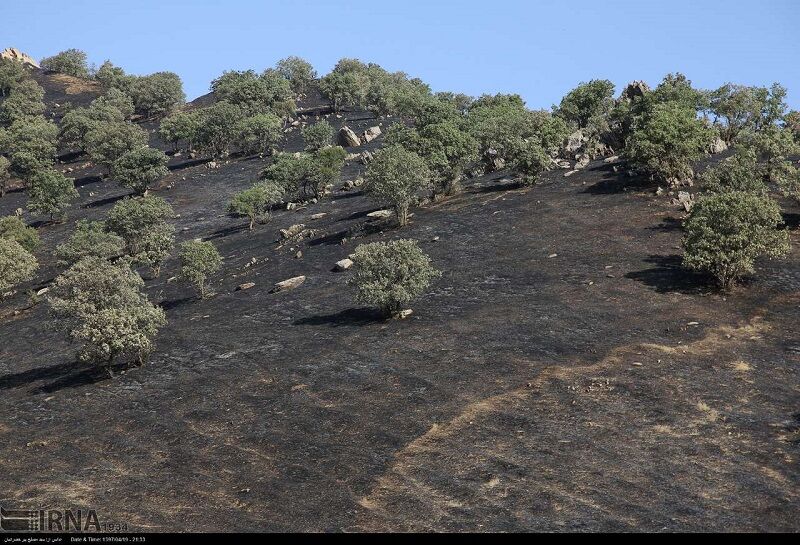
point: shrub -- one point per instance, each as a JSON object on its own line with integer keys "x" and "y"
{"x": 252, "y": 92}
{"x": 347, "y": 84}
{"x": 256, "y": 203}
{"x": 116, "y": 99}
{"x": 13, "y": 228}
{"x": 26, "y": 100}
{"x": 531, "y": 161}
{"x": 260, "y": 133}
{"x": 389, "y": 275}
{"x": 139, "y": 168}
{"x": 324, "y": 168}
{"x": 218, "y": 127}
{"x": 77, "y": 122}
{"x": 318, "y": 135}
{"x": 743, "y": 108}
{"x": 396, "y": 175}
{"x": 17, "y": 265}
{"x": 111, "y": 76}
{"x": 773, "y": 145}
{"x": 500, "y": 124}
{"x": 180, "y": 126}
{"x": 154, "y": 247}
{"x": 108, "y": 141}
{"x": 299, "y": 73}
{"x": 726, "y": 232}
{"x": 668, "y": 141}
{"x": 101, "y": 306}
{"x": 11, "y": 73}
{"x": 198, "y": 261}
{"x": 31, "y": 143}
{"x": 50, "y": 193}
{"x": 90, "y": 239}
{"x": 71, "y": 62}
{"x": 134, "y": 219}
{"x": 158, "y": 94}
{"x": 288, "y": 171}
{"x": 5, "y": 175}
{"x": 740, "y": 172}
{"x": 587, "y": 101}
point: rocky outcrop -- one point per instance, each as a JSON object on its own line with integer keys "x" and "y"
{"x": 14, "y": 54}
{"x": 635, "y": 89}
{"x": 348, "y": 137}
{"x": 717, "y": 146}
{"x": 371, "y": 134}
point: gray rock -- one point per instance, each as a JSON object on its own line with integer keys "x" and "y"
{"x": 344, "y": 264}
{"x": 288, "y": 284}
{"x": 348, "y": 137}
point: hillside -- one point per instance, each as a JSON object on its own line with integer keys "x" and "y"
{"x": 564, "y": 373}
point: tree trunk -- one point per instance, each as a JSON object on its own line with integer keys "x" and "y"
{"x": 402, "y": 214}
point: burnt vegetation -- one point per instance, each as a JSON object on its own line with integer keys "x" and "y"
{"x": 603, "y": 296}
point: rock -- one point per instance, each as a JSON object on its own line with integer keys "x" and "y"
{"x": 717, "y": 146}
{"x": 245, "y": 286}
{"x": 366, "y": 157}
{"x": 380, "y": 214}
{"x": 14, "y": 54}
{"x": 684, "y": 199}
{"x": 348, "y": 137}
{"x": 299, "y": 254}
{"x": 352, "y": 156}
{"x": 612, "y": 159}
{"x": 348, "y": 185}
{"x": 42, "y": 291}
{"x": 659, "y": 191}
{"x": 212, "y": 165}
{"x": 292, "y": 231}
{"x": 570, "y": 173}
{"x": 583, "y": 161}
{"x": 494, "y": 160}
{"x": 343, "y": 264}
{"x": 403, "y": 314}
{"x": 288, "y": 284}
{"x": 317, "y": 216}
{"x": 371, "y": 134}
{"x": 635, "y": 89}
{"x": 574, "y": 142}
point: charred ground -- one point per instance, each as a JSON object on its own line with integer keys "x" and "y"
{"x": 600, "y": 388}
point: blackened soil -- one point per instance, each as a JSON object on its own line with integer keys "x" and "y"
{"x": 564, "y": 374}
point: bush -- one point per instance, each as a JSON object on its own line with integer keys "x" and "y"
{"x": 11, "y": 73}
{"x": 90, "y": 239}
{"x": 668, "y": 141}
{"x": 288, "y": 171}
{"x": 180, "y": 126}
{"x": 31, "y": 143}
{"x": 389, "y": 275}
{"x": 726, "y": 232}
{"x": 13, "y": 228}
{"x": 260, "y": 133}
{"x": 77, "y": 122}
{"x": 218, "y": 127}
{"x": 740, "y": 172}
{"x": 298, "y": 72}
{"x": 318, "y": 135}
{"x": 50, "y": 193}
{"x": 108, "y": 141}
{"x": 586, "y": 102}
{"x": 396, "y": 175}
{"x": 134, "y": 219}
{"x": 71, "y": 62}
{"x": 198, "y": 261}
{"x": 158, "y": 94}
{"x": 101, "y": 306}
{"x": 347, "y": 84}
{"x": 252, "y": 92}
{"x": 5, "y": 175}
{"x": 324, "y": 168}
{"x": 531, "y": 161}
{"x": 256, "y": 203}
{"x": 25, "y": 100}
{"x": 139, "y": 168}
{"x": 743, "y": 108}
{"x": 17, "y": 265}
{"x": 111, "y": 76}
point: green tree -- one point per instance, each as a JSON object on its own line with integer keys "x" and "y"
{"x": 726, "y": 232}
{"x": 586, "y": 102}
{"x": 260, "y": 133}
{"x": 90, "y": 239}
{"x": 139, "y": 168}
{"x": 71, "y": 62}
{"x": 13, "y": 228}
{"x": 50, "y": 193}
{"x": 154, "y": 247}
{"x": 11, "y": 73}
{"x": 347, "y": 84}
{"x": 256, "y": 202}
{"x": 181, "y": 126}
{"x": 101, "y": 306}
{"x": 740, "y": 172}
{"x": 324, "y": 168}
{"x": 25, "y": 100}
{"x": 5, "y": 175}
{"x": 531, "y": 161}
{"x": 288, "y": 171}
{"x": 396, "y": 175}
{"x": 17, "y": 265}
{"x": 135, "y": 218}
{"x": 218, "y": 129}
{"x": 389, "y": 275}
{"x": 743, "y": 108}
{"x": 199, "y": 260}
{"x": 107, "y": 142}
{"x": 668, "y": 141}
{"x": 31, "y": 144}
{"x": 298, "y": 72}
{"x": 158, "y": 94}
{"x": 317, "y": 136}
{"x": 111, "y": 76}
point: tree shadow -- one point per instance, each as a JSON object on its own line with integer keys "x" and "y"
{"x": 107, "y": 200}
{"x": 496, "y": 187}
{"x": 61, "y": 375}
{"x": 669, "y": 275}
{"x": 791, "y": 219}
{"x": 349, "y": 317}
{"x": 226, "y": 231}
{"x": 667, "y": 225}
{"x": 87, "y": 180}
{"x": 189, "y": 163}
{"x": 613, "y": 183}
{"x": 175, "y": 303}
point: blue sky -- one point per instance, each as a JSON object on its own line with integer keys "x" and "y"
{"x": 539, "y": 49}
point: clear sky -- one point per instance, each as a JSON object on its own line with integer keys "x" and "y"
{"x": 539, "y": 49}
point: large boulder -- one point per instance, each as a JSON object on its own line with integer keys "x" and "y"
{"x": 717, "y": 146}
{"x": 635, "y": 89}
{"x": 14, "y": 54}
{"x": 348, "y": 137}
{"x": 288, "y": 284}
{"x": 371, "y": 134}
